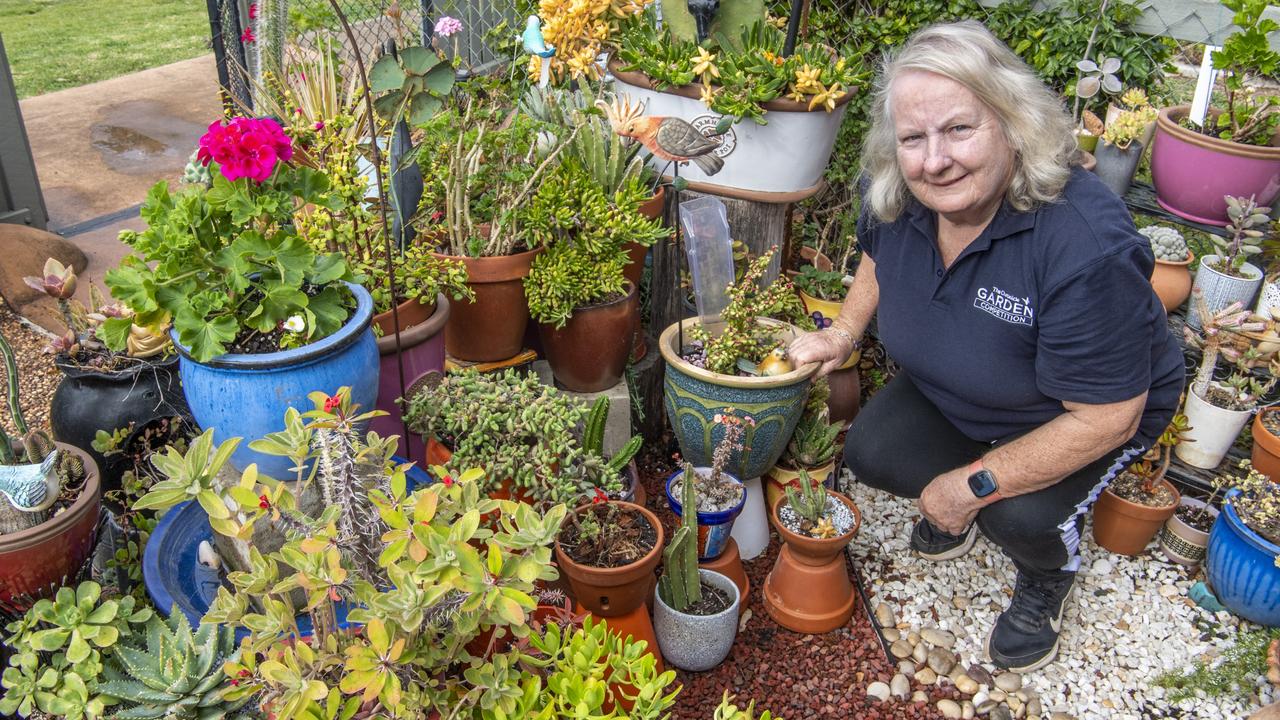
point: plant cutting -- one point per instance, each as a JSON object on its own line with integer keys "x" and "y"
{"x": 1228, "y": 277}
{"x": 1134, "y": 506}
{"x": 1243, "y": 560}
{"x": 1185, "y": 534}
{"x": 718, "y": 495}
{"x": 1123, "y": 141}
{"x": 808, "y": 590}
{"x": 812, "y": 449}
{"x": 1171, "y": 277}
{"x": 1235, "y": 152}
{"x": 623, "y": 461}
{"x": 695, "y": 611}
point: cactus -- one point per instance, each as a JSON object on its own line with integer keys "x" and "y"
{"x": 15, "y": 408}
{"x": 681, "y": 585}
{"x": 813, "y": 444}
{"x": 267, "y": 53}
{"x": 178, "y": 675}
{"x": 810, "y": 503}
{"x": 196, "y": 172}
{"x": 593, "y": 437}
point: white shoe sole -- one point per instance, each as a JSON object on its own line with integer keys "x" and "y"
{"x": 956, "y": 551}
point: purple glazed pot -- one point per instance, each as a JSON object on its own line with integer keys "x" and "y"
{"x": 423, "y": 349}
{"x": 1192, "y": 172}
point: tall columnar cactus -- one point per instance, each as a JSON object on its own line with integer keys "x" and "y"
{"x": 681, "y": 585}
{"x": 15, "y": 408}
{"x": 269, "y": 27}
{"x": 593, "y": 437}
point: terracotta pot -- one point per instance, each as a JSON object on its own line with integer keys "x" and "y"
{"x": 35, "y": 562}
{"x": 491, "y": 328}
{"x": 421, "y": 352}
{"x": 411, "y": 312}
{"x": 729, "y": 564}
{"x": 809, "y": 590}
{"x": 781, "y": 476}
{"x": 613, "y": 592}
{"x": 1125, "y": 527}
{"x": 1172, "y": 282}
{"x": 590, "y": 352}
{"x": 1266, "y": 447}
{"x": 845, "y": 399}
{"x": 1182, "y": 543}
{"x": 480, "y": 644}
{"x": 652, "y": 209}
{"x": 814, "y": 258}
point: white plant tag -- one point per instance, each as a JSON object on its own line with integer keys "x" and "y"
{"x": 1204, "y": 86}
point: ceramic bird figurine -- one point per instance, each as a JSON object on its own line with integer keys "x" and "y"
{"x": 534, "y": 44}
{"x": 703, "y": 12}
{"x": 669, "y": 138}
{"x": 775, "y": 363}
{"x": 31, "y": 488}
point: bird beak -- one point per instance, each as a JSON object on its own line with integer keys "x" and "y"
{"x": 627, "y": 141}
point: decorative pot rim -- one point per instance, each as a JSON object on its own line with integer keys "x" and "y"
{"x": 1174, "y": 263}
{"x": 793, "y": 538}
{"x": 1166, "y": 121}
{"x": 1214, "y": 256}
{"x": 645, "y": 563}
{"x": 707, "y": 518}
{"x": 638, "y": 79}
{"x": 72, "y": 370}
{"x": 733, "y": 606}
{"x": 1243, "y": 530}
{"x": 56, "y": 525}
{"x": 1208, "y": 404}
{"x": 420, "y": 333}
{"x": 1155, "y": 509}
{"x": 348, "y": 334}
{"x": 1263, "y": 436}
{"x": 486, "y": 269}
{"x": 667, "y": 341}
{"x": 607, "y": 304}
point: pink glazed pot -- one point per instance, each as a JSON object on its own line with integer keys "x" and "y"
{"x": 1192, "y": 172}
{"x": 423, "y": 349}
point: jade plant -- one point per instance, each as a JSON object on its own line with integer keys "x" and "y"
{"x": 1248, "y": 119}
{"x": 821, "y": 284}
{"x": 517, "y": 429}
{"x": 681, "y": 584}
{"x": 808, "y": 499}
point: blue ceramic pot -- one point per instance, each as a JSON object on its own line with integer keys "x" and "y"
{"x": 174, "y": 576}
{"x": 713, "y": 527}
{"x": 1241, "y": 567}
{"x": 240, "y": 395}
{"x": 693, "y": 397}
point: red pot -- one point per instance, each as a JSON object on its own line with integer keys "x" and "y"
{"x": 491, "y": 328}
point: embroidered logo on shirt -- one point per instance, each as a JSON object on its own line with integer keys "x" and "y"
{"x": 1007, "y": 307}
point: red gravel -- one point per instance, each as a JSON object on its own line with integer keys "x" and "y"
{"x": 791, "y": 674}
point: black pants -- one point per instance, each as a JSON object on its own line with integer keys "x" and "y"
{"x": 900, "y": 442}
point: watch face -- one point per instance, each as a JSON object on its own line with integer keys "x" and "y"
{"x": 982, "y": 483}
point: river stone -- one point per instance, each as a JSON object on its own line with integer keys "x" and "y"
{"x": 920, "y": 653}
{"x": 943, "y": 661}
{"x": 1015, "y": 704}
{"x": 980, "y": 697}
{"x": 997, "y": 694}
{"x": 884, "y": 616}
{"x": 900, "y": 686}
{"x": 891, "y": 634}
{"x": 913, "y": 637}
{"x": 906, "y": 667}
{"x": 966, "y": 685}
{"x": 1062, "y": 716}
{"x": 1000, "y": 712}
{"x": 938, "y": 638}
{"x": 949, "y": 708}
{"x": 986, "y": 706}
{"x": 1009, "y": 682}
{"x": 1034, "y": 706}
{"x": 926, "y": 676}
{"x": 919, "y": 696}
{"x": 879, "y": 691}
{"x": 900, "y": 649}
{"x": 967, "y": 710}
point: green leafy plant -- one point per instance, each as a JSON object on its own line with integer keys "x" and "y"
{"x": 821, "y": 284}
{"x": 1247, "y": 50}
{"x": 813, "y": 444}
{"x": 727, "y": 710}
{"x": 193, "y": 475}
{"x": 1233, "y": 675}
{"x": 411, "y": 83}
{"x": 681, "y": 584}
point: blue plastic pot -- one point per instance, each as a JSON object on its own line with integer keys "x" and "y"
{"x": 1241, "y": 568}
{"x": 174, "y": 576}
{"x": 241, "y": 395}
{"x": 713, "y": 527}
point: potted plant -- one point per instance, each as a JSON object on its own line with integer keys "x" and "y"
{"x": 1122, "y": 143}
{"x": 823, "y": 293}
{"x": 104, "y": 390}
{"x": 718, "y": 495}
{"x": 608, "y": 550}
{"x": 622, "y": 462}
{"x": 796, "y": 102}
{"x": 257, "y": 313}
{"x": 577, "y": 291}
{"x": 525, "y": 434}
{"x": 695, "y": 611}
{"x": 1234, "y": 152}
{"x": 1216, "y": 410}
{"x": 1134, "y": 506}
{"x": 50, "y": 501}
{"x": 812, "y": 449}
{"x": 1227, "y": 277}
{"x": 1243, "y": 560}
{"x": 808, "y": 590}
{"x": 1185, "y": 534}
{"x": 1171, "y": 278}
{"x": 1266, "y": 442}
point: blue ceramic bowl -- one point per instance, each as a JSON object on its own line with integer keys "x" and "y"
{"x": 1241, "y": 568}
{"x": 713, "y": 527}
{"x": 174, "y": 576}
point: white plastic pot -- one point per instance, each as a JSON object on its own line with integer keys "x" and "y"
{"x": 751, "y": 529}
{"x": 1221, "y": 290}
{"x": 1213, "y": 429}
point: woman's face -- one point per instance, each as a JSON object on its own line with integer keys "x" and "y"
{"x": 951, "y": 149}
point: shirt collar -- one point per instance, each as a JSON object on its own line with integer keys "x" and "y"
{"x": 1006, "y": 222}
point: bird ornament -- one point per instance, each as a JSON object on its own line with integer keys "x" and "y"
{"x": 534, "y": 44}
{"x": 30, "y": 488}
{"x": 668, "y": 138}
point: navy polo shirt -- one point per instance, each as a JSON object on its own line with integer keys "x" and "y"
{"x": 1043, "y": 307}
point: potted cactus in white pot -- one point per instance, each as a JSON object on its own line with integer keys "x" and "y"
{"x": 1171, "y": 278}
{"x": 1227, "y": 277}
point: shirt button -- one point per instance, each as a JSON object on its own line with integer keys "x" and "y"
{"x": 939, "y": 273}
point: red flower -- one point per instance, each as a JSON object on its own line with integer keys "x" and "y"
{"x": 333, "y": 595}
{"x": 263, "y": 502}
{"x": 245, "y": 147}
{"x": 448, "y": 481}
{"x": 247, "y": 35}
{"x": 435, "y": 216}
{"x": 253, "y": 11}
{"x": 319, "y": 125}
{"x": 330, "y": 403}
{"x": 599, "y": 497}
{"x": 244, "y": 672}
{"x": 235, "y": 683}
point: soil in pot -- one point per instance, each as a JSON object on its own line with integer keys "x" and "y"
{"x": 713, "y": 497}
{"x": 1194, "y": 517}
{"x": 607, "y": 535}
{"x": 714, "y": 601}
{"x": 1129, "y": 487}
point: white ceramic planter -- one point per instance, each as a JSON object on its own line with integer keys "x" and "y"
{"x": 697, "y": 642}
{"x": 1213, "y": 429}
{"x": 1221, "y": 290}
{"x": 1268, "y": 298}
{"x": 751, "y": 529}
{"x": 782, "y": 161}
{"x": 1182, "y": 543}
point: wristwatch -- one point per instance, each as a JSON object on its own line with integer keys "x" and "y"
{"x": 982, "y": 483}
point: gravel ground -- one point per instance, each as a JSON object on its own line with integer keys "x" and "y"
{"x": 1128, "y": 621}
{"x": 36, "y": 372}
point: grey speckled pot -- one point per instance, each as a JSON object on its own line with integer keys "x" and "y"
{"x": 697, "y": 642}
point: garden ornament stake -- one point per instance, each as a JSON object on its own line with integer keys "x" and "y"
{"x": 534, "y": 44}
{"x": 703, "y": 12}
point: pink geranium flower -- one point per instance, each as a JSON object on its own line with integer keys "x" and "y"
{"x": 448, "y": 26}
{"x": 245, "y": 147}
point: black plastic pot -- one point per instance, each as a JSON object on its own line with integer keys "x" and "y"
{"x": 88, "y": 400}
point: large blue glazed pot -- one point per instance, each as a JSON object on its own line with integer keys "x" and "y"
{"x": 240, "y": 395}
{"x": 713, "y": 527}
{"x": 174, "y": 576}
{"x": 1241, "y": 566}
{"x": 693, "y": 397}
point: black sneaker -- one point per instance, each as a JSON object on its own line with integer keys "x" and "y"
{"x": 1025, "y": 636}
{"x": 934, "y": 544}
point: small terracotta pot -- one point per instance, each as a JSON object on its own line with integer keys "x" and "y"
{"x": 491, "y": 328}
{"x": 1182, "y": 543}
{"x": 1266, "y": 447}
{"x": 411, "y": 312}
{"x": 729, "y": 564}
{"x": 809, "y": 590}
{"x": 1172, "y": 282}
{"x": 1125, "y": 527}
{"x": 613, "y": 592}
{"x": 780, "y": 477}
{"x": 590, "y": 352}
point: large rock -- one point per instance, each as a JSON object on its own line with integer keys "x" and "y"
{"x": 24, "y": 250}
{"x": 1270, "y": 712}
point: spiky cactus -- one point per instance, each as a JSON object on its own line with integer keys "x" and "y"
{"x": 810, "y": 503}
{"x": 593, "y": 437}
{"x": 267, "y": 58}
{"x": 15, "y": 408}
{"x": 178, "y": 674}
{"x": 681, "y": 585}
{"x": 345, "y": 484}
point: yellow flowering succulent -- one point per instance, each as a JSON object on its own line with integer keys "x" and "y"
{"x": 579, "y": 29}
{"x": 704, "y": 65}
{"x": 807, "y": 80}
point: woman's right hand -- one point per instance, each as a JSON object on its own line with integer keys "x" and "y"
{"x": 826, "y": 347}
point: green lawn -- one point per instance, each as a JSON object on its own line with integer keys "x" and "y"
{"x": 57, "y": 44}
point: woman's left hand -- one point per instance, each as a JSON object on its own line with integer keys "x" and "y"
{"x": 948, "y": 503}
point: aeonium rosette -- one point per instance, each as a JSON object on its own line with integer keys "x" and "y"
{"x": 245, "y": 147}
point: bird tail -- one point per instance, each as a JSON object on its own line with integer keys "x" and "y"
{"x": 709, "y": 164}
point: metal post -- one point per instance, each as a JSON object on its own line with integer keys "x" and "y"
{"x": 219, "y": 51}
{"x": 20, "y": 197}
{"x": 793, "y": 27}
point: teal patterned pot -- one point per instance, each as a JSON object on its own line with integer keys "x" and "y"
{"x": 693, "y": 397}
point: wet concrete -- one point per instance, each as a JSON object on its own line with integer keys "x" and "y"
{"x": 140, "y": 136}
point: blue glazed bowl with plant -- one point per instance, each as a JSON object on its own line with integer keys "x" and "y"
{"x": 1243, "y": 561}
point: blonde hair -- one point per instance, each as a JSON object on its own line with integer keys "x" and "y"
{"x": 1034, "y": 120}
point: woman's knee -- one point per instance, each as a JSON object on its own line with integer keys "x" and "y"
{"x": 1030, "y": 535}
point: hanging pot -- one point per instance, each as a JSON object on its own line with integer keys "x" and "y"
{"x": 491, "y": 328}
{"x": 697, "y": 642}
{"x": 1126, "y": 527}
{"x": 809, "y": 590}
{"x": 589, "y": 354}
{"x": 1241, "y": 567}
{"x": 613, "y": 592}
{"x": 1220, "y": 289}
{"x": 421, "y": 351}
{"x": 1213, "y": 430}
{"x": 713, "y": 527}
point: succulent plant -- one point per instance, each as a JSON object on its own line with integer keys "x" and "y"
{"x": 813, "y": 444}
{"x": 727, "y": 710}
{"x": 411, "y": 84}
{"x": 1247, "y": 226}
{"x": 177, "y": 675}
{"x": 810, "y": 503}
{"x": 195, "y": 172}
{"x": 593, "y": 437}
{"x": 681, "y": 585}
{"x": 1166, "y": 242}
